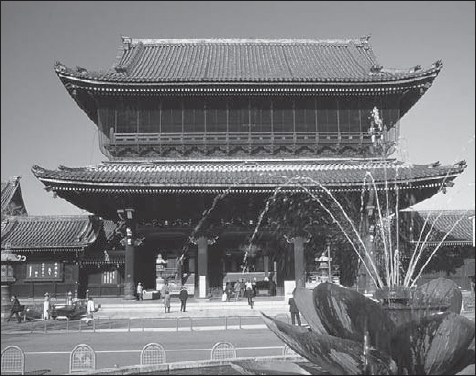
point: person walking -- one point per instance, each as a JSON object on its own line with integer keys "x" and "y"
{"x": 167, "y": 301}
{"x": 249, "y": 295}
{"x": 237, "y": 289}
{"x": 228, "y": 291}
{"x": 46, "y": 307}
{"x": 140, "y": 291}
{"x": 294, "y": 312}
{"x": 90, "y": 311}
{"x": 183, "y": 296}
{"x": 16, "y": 308}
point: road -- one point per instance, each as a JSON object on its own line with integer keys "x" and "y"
{"x": 51, "y": 351}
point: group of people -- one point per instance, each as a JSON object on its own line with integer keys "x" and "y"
{"x": 18, "y": 308}
{"x": 249, "y": 293}
{"x": 241, "y": 288}
{"x": 165, "y": 295}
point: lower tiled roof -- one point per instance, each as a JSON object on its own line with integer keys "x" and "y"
{"x": 11, "y": 197}
{"x": 455, "y": 226}
{"x": 49, "y": 232}
{"x": 188, "y": 176}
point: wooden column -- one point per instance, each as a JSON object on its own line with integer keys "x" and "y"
{"x": 299, "y": 260}
{"x": 202, "y": 266}
{"x": 129, "y": 278}
{"x": 364, "y": 281}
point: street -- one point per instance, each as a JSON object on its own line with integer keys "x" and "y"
{"x": 51, "y": 351}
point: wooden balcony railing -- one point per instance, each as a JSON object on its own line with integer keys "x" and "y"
{"x": 239, "y": 138}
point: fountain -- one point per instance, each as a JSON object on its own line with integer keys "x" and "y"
{"x": 352, "y": 334}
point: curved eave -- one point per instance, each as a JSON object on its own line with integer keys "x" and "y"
{"x": 191, "y": 86}
{"x": 58, "y": 185}
{"x": 444, "y": 243}
{"x": 34, "y": 248}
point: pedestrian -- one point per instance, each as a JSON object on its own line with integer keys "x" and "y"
{"x": 294, "y": 311}
{"x": 183, "y": 296}
{"x": 249, "y": 295}
{"x": 254, "y": 286}
{"x": 237, "y": 289}
{"x": 167, "y": 301}
{"x": 16, "y": 308}
{"x": 164, "y": 289}
{"x": 90, "y": 310}
{"x": 140, "y": 291}
{"x": 242, "y": 287}
{"x": 228, "y": 291}
{"x": 46, "y": 307}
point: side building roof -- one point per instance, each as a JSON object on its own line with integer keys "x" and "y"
{"x": 11, "y": 197}
{"x": 50, "y": 233}
{"x": 449, "y": 227}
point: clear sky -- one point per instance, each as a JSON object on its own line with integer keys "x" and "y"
{"x": 42, "y": 125}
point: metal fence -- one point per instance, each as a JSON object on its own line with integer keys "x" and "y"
{"x": 137, "y": 324}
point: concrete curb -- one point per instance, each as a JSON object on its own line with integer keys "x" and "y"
{"x": 165, "y": 367}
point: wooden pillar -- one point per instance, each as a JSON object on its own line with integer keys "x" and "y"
{"x": 364, "y": 281}
{"x": 202, "y": 266}
{"x": 299, "y": 260}
{"x": 129, "y": 278}
{"x": 202, "y": 263}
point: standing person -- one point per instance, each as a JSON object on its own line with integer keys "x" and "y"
{"x": 237, "y": 289}
{"x": 167, "y": 300}
{"x": 254, "y": 287}
{"x": 228, "y": 291}
{"x": 140, "y": 291}
{"x": 16, "y": 308}
{"x": 90, "y": 310}
{"x": 249, "y": 295}
{"x": 46, "y": 307}
{"x": 183, "y": 296}
{"x": 294, "y": 311}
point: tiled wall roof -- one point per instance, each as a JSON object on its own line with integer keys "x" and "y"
{"x": 50, "y": 232}
{"x": 247, "y": 60}
{"x": 189, "y": 174}
{"x": 11, "y": 191}
{"x": 443, "y": 222}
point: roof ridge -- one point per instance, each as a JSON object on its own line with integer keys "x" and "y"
{"x": 151, "y": 41}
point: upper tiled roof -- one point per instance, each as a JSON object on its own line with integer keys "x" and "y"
{"x": 458, "y": 224}
{"x": 50, "y": 232}
{"x": 247, "y": 60}
{"x": 194, "y": 175}
{"x": 12, "y": 199}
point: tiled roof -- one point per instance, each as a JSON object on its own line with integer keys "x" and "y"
{"x": 194, "y": 175}
{"x": 33, "y": 233}
{"x": 12, "y": 199}
{"x": 247, "y": 60}
{"x": 443, "y": 222}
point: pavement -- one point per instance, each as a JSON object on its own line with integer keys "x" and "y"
{"x": 196, "y": 307}
{"x": 119, "y": 308}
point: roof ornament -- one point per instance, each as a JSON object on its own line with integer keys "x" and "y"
{"x": 416, "y": 68}
{"x": 126, "y": 41}
{"x": 376, "y": 68}
{"x": 437, "y": 64}
{"x": 365, "y": 39}
{"x": 59, "y": 67}
{"x": 80, "y": 69}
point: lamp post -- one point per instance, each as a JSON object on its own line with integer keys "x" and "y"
{"x": 7, "y": 279}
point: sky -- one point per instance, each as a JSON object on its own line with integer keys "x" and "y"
{"x": 42, "y": 125}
